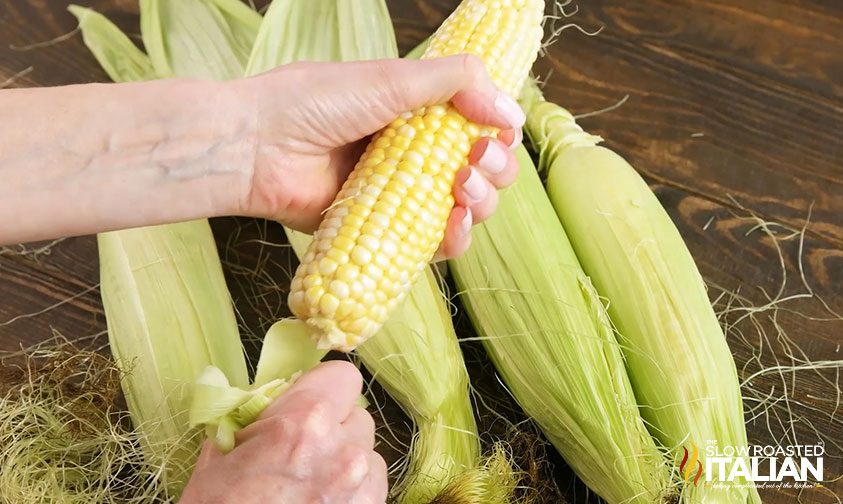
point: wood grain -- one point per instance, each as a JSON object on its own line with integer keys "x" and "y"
{"x": 735, "y": 109}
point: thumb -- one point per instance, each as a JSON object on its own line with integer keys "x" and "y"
{"x": 388, "y": 88}
{"x": 207, "y": 455}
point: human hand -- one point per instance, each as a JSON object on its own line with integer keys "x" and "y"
{"x": 313, "y": 121}
{"x": 313, "y": 444}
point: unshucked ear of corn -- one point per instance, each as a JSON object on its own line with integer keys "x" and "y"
{"x": 415, "y": 356}
{"x": 677, "y": 357}
{"x": 168, "y": 309}
{"x": 169, "y": 316}
{"x": 390, "y": 216}
{"x": 548, "y": 335}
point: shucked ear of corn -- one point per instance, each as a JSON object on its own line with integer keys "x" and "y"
{"x": 390, "y": 216}
{"x": 168, "y": 310}
{"x": 677, "y": 357}
{"x": 415, "y": 356}
{"x": 548, "y": 335}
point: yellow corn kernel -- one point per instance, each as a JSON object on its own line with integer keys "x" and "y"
{"x": 412, "y": 163}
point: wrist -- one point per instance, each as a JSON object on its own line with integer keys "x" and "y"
{"x": 214, "y": 136}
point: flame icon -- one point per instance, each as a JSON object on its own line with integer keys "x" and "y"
{"x": 690, "y": 462}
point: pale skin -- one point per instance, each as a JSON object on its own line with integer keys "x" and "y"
{"x": 89, "y": 158}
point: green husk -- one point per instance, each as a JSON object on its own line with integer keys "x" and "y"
{"x": 167, "y": 306}
{"x": 678, "y": 361}
{"x": 224, "y": 408}
{"x": 119, "y": 57}
{"x": 549, "y": 337}
{"x": 332, "y": 31}
{"x": 169, "y": 316}
{"x": 417, "y": 359}
{"x": 202, "y": 39}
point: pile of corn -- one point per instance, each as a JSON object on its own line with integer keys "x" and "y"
{"x": 618, "y": 392}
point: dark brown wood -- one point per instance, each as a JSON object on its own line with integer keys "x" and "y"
{"x": 735, "y": 107}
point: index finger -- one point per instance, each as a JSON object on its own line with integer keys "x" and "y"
{"x": 334, "y": 385}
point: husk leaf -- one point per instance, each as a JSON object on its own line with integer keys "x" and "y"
{"x": 116, "y": 53}
{"x": 198, "y": 38}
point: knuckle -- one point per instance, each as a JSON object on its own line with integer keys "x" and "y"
{"x": 354, "y": 466}
{"x": 313, "y": 421}
{"x": 301, "y": 437}
{"x": 348, "y": 469}
{"x": 368, "y": 419}
{"x": 474, "y": 67}
{"x": 472, "y": 64}
{"x": 282, "y": 428}
{"x": 347, "y": 369}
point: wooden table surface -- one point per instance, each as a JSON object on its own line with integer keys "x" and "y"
{"x": 734, "y": 115}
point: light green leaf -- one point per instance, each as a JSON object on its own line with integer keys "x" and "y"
{"x": 223, "y": 434}
{"x": 204, "y": 39}
{"x": 288, "y": 348}
{"x": 243, "y": 22}
{"x": 116, "y": 54}
{"x": 322, "y": 30}
{"x": 288, "y": 351}
{"x": 213, "y": 397}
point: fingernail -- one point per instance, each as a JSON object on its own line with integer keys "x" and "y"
{"x": 510, "y": 110}
{"x": 493, "y": 159}
{"x": 517, "y": 138}
{"x": 475, "y": 187}
{"x": 465, "y": 224}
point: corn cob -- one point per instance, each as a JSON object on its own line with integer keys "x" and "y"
{"x": 678, "y": 360}
{"x": 415, "y": 356}
{"x": 390, "y": 216}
